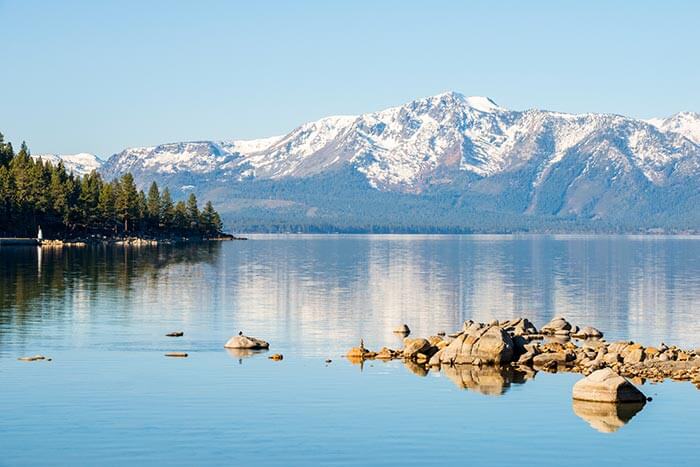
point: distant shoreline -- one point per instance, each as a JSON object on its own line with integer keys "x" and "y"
{"x": 116, "y": 241}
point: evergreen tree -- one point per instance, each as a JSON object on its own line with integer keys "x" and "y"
{"x": 181, "y": 219}
{"x": 6, "y": 152}
{"x": 167, "y": 209}
{"x": 89, "y": 198}
{"x": 193, "y": 212}
{"x": 153, "y": 206}
{"x": 34, "y": 192}
{"x": 106, "y": 205}
{"x": 210, "y": 221}
{"x": 127, "y": 202}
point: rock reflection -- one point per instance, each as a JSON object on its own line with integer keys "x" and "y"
{"x": 487, "y": 380}
{"x": 606, "y": 417}
{"x": 416, "y": 369}
{"x": 241, "y": 354}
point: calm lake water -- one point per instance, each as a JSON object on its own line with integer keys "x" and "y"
{"x": 110, "y": 397}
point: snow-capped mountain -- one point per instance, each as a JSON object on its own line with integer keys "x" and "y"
{"x": 402, "y": 148}
{"x": 80, "y": 164}
{"x": 684, "y": 123}
{"x": 594, "y": 166}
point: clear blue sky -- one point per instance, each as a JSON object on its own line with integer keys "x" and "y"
{"x": 100, "y": 76}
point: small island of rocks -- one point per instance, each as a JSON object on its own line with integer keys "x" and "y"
{"x": 516, "y": 345}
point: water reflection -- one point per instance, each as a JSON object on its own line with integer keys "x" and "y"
{"x": 240, "y": 354}
{"x": 348, "y": 288}
{"x": 487, "y": 380}
{"x": 318, "y": 295}
{"x": 45, "y": 285}
{"x": 604, "y": 416}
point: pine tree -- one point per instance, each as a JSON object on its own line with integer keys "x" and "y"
{"x": 106, "y": 205}
{"x": 6, "y": 152}
{"x": 210, "y": 221}
{"x": 181, "y": 220}
{"x": 192, "y": 212}
{"x": 34, "y": 192}
{"x": 167, "y": 209}
{"x": 126, "y": 205}
{"x": 89, "y": 199}
{"x": 153, "y": 204}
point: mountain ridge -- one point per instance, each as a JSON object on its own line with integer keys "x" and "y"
{"x": 586, "y": 167}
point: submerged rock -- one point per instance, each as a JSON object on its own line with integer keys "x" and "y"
{"x": 276, "y": 356}
{"x": 175, "y": 334}
{"x": 176, "y": 354}
{"x": 33, "y": 358}
{"x": 245, "y": 342}
{"x": 606, "y": 386}
{"x": 403, "y": 329}
{"x": 588, "y": 332}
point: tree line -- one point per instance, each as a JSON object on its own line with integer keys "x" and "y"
{"x": 36, "y": 193}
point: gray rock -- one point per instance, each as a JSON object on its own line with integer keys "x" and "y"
{"x": 489, "y": 345}
{"x": 412, "y": 347}
{"x": 589, "y": 332}
{"x": 606, "y": 386}
{"x": 245, "y": 342}
{"x": 634, "y": 356}
{"x": 560, "y": 358}
{"x": 559, "y": 324}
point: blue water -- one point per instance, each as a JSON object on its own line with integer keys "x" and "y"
{"x": 110, "y": 397}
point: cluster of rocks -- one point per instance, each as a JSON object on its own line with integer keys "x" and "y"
{"x": 556, "y": 346}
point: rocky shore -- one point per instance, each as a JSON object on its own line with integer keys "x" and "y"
{"x": 518, "y": 346}
{"x": 129, "y": 241}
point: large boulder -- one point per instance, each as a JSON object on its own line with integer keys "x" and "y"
{"x": 589, "y": 332}
{"x": 412, "y": 347}
{"x": 606, "y": 386}
{"x": 519, "y": 327}
{"x": 245, "y": 342}
{"x": 488, "y": 345}
{"x": 558, "y": 325}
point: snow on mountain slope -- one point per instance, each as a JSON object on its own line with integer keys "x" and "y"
{"x": 80, "y": 164}
{"x": 431, "y": 141}
{"x": 684, "y": 123}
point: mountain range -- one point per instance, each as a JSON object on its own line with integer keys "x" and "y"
{"x": 443, "y": 163}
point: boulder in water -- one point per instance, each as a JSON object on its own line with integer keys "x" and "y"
{"x": 245, "y": 342}
{"x": 606, "y": 386}
{"x": 487, "y": 345}
{"x": 558, "y": 325}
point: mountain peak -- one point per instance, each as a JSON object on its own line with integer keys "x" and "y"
{"x": 484, "y": 104}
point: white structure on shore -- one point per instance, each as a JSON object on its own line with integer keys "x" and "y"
{"x": 40, "y": 234}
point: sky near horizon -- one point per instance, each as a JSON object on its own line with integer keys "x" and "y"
{"x": 85, "y": 76}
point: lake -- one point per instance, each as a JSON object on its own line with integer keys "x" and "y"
{"x": 110, "y": 396}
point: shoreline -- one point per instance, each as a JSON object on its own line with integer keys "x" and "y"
{"x": 131, "y": 241}
{"x": 80, "y": 242}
